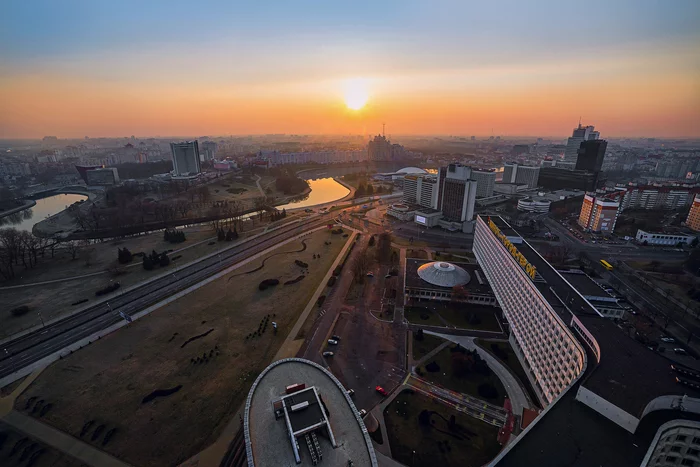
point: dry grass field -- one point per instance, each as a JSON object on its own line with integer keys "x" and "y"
{"x": 198, "y": 343}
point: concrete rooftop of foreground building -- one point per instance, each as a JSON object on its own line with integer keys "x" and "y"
{"x": 267, "y": 439}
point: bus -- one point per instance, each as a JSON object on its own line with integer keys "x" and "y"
{"x": 606, "y": 265}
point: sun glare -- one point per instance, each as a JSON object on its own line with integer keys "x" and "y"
{"x": 356, "y": 93}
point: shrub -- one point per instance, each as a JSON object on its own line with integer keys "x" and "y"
{"x": 268, "y": 283}
{"x": 20, "y": 310}
{"x": 124, "y": 256}
{"x": 337, "y": 231}
{"x": 371, "y": 241}
{"x": 321, "y": 299}
{"x": 331, "y": 281}
{"x": 301, "y": 264}
{"x": 164, "y": 260}
{"x": 108, "y": 289}
{"x": 147, "y": 263}
{"x": 294, "y": 281}
{"x": 419, "y": 335}
{"x": 174, "y": 236}
{"x": 487, "y": 391}
{"x": 336, "y": 271}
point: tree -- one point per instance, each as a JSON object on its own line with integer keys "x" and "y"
{"x": 124, "y": 256}
{"x": 419, "y": 335}
{"x": 371, "y": 240}
{"x": 384, "y": 247}
{"x": 361, "y": 265}
{"x": 459, "y": 294}
{"x": 147, "y": 263}
{"x": 73, "y": 248}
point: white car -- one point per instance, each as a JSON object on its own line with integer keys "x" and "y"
{"x": 680, "y": 351}
{"x": 332, "y": 342}
{"x": 668, "y": 339}
{"x": 327, "y": 354}
{"x": 363, "y": 412}
{"x": 370, "y": 274}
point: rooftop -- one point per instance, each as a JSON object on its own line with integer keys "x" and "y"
{"x": 584, "y": 284}
{"x": 475, "y": 279}
{"x": 443, "y": 274}
{"x": 267, "y": 438}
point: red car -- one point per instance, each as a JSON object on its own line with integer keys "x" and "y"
{"x": 380, "y": 390}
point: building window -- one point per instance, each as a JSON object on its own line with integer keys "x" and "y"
{"x": 689, "y": 462}
{"x": 681, "y": 438}
{"x": 675, "y": 449}
{"x": 693, "y": 452}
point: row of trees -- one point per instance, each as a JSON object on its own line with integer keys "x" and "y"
{"x": 367, "y": 189}
{"x": 21, "y": 249}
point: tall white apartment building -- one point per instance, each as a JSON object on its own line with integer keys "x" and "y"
{"x": 421, "y": 189}
{"x": 485, "y": 181}
{"x": 548, "y": 350}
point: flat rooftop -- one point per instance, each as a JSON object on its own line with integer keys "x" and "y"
{"x": 584, "y": 284}
{"x": 267, "y": 438}
{"x": 473, "y": 286}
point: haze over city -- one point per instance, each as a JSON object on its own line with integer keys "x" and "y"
{"x": 75, "y": 69}
{"x": 350, "y": 234}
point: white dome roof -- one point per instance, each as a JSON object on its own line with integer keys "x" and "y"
{"x": 411, "y": 170}
{"x": 443, "y": 274}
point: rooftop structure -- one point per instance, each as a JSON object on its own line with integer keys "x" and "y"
{"x": 443, "y": 274}
{"x": 312, "y": 423}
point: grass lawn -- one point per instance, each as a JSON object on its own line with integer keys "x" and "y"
{"x": 422, "y": 347}
{"x": 421, "y": 315}
{"x": 415, "y": 253}
{"x": 471, "y": 443}
{"x": 509, "y": 359}
{"x": 467, "y": 384}
{"x": 107, "y": 381}
{"x": 26, "y": 448}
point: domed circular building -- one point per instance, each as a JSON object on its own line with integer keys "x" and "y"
{"x": 443, "y": 274}
{"x": 411, "y": 170}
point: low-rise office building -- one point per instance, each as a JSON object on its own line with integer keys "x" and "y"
{"x": 652, "y": 238}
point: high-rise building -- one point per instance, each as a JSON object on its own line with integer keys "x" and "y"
{"x": 599, "y": 214}
{"x": 209, "y": 150}
{"x": 485, "y": 181}
{"x": 379, "y": 149}
{"x": 521, "y": 174}
{"x": 580, "y": 134}
{"x": 457, "y": 193}
{"x": 659, "y": 197}
{"x": 185, "y": 158}
{"x": 591, "y": 154}
{"x": 421, "y": 189}
{"x": 693, "y": 220}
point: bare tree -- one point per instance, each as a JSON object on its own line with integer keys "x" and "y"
{"x": 260, "y": 203}
{"x": 361, "y": 265}
{"x": 183, "y": 207}
{"x": 383, "y": 247}
{"x": 72, "y": 247}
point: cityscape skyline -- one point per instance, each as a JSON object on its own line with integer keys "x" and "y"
{"x": 111, "y": 70}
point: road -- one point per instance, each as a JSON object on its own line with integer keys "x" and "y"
{"x": 36, "y": 345}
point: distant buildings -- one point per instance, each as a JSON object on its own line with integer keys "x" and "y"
{"x": 580, "y": 134}
{"x": 598, "y": 214}
{"x": 693, "y": 220}
{"x": 485, "y": 181}
{"x": 186, "y": 160}
{"x": 457, "y": 194}
{"x": 102, "y": 176}
{"x": 275, "y": 158}
{"x": 208, "y": 150}
{"x": 555, "y": 178}
{"x": 659, "y": 196}
{"x": 658, "y": 238}
{"x": 379, "y": 149}
{"x": 521, "y": 174}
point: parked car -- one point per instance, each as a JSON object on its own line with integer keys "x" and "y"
{"x": 351, "y": 392}
{"x": 335, "y": 338}
{"x": 363, "y": 412}
{"x": 370, "y": 274}
{"x": 332, "y": 342}
{"x": 668, "y": 339}
{"x": 680, "y": 351}
{"x": 381, "y": 390}
{"x": 388, "y": 276}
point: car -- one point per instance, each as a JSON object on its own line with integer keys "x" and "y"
{"x": 388, "y": 276}
{"x": 363, "y": 412}
{"x": 335, "y": 338}
{"x": 332, "y": 342}
{"x": 327, "y": 354}
{"x": 668, "y": 339}
{"x": 680, "y": 351}
{"x": 370, "y": 274}
{"x": 351, "y": 392}
{"x": 381, "y": 390}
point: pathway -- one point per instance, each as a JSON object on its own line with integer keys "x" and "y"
{"x": 516, "y": 393}
{"x": 257, "y": 182}
{"x": 49, "y": 435}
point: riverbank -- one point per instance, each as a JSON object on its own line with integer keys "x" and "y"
{"x": 28, "y": 203}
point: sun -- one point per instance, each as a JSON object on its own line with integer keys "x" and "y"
{"x": 356, "y": 93}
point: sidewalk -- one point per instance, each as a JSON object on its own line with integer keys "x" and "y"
{"x": 61, "y": 441}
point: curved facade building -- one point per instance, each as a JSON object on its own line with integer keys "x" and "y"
{"x": 534, "y": 205}
{"x": 298, "y": 413}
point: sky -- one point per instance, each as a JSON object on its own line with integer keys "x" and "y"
{"x": 510, "y": 68}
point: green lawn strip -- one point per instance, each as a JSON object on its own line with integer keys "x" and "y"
{"x": 467, "y": 443}
{"x": 421, "y": 348}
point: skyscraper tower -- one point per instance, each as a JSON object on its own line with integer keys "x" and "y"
{"x": 580, "y": 134}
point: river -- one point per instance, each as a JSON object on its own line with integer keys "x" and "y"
{"x": 45, "y": 207}
{"x": 323, "y": 190}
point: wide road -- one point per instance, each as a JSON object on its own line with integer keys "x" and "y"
{"x": 29, "y": 348}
